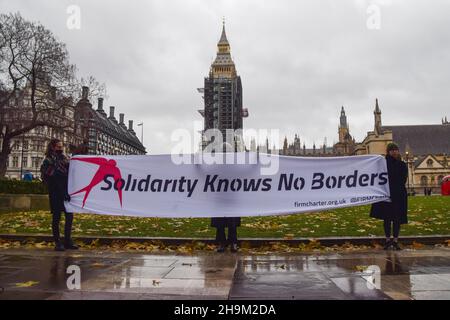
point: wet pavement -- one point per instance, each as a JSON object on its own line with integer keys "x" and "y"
{"x": 408, "y": 274}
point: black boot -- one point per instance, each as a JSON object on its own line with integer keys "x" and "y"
{"x": 220, "y": 239}
{"x": 59, "y": 246}
{"x": 221, "y": 247}
{"x": 387, "y": 245}
{"x": 55, "y": 227}
{"x": 68, "y": 243}
{"x": 395, "y": 246}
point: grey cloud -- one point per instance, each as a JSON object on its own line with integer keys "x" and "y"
{"x": 300, "y": 61}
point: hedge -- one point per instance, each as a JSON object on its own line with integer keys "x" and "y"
{"x": 22, "y": 187}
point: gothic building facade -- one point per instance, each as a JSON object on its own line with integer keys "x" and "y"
{"x": 102, "y": 134}
{"x": 344, "y": 147}
{"x": 222, "y": 93}
{"x": 300, "y": 150}
{"x": 425, "y": 149}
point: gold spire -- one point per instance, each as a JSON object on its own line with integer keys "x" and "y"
{"x": 223, "y": 66}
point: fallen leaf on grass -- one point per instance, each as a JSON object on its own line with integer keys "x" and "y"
{"x": 26, "y": 284}
{"x": 41, "y": 245}
{"x": 376, "y": 245}
{"x": 134, "y": 246}
{"x": 94, "y": 243}
{"x": 184, "y": 249}
{"x": 417, "y": 245}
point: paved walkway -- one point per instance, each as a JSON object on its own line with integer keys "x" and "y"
{"x": 409, "y": 274}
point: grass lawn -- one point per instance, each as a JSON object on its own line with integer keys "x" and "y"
{"x": 427, "y": 216}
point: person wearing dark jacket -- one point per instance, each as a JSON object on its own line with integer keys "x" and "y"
{"x": 54, "y": 173}
{"x": 220, "y": 224}
{"x": 393, "y": 213}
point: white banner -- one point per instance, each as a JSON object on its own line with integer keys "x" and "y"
{"x": 166, "y": 186}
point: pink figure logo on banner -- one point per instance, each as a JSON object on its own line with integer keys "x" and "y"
{"x": 106, "y": 167}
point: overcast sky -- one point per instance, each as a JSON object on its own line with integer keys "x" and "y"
{"x": 299, "y": 61}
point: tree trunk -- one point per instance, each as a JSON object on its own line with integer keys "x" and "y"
{"x": 4, "y": 154}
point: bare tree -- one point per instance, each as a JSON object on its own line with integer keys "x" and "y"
{"x": 37, "y": 81}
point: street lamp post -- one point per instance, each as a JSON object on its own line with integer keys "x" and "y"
{"x": 407, "y": 163}
{"x": 142, "y": 131}
{"x": 410, "y": 169}
{"x": 21, "y": 160}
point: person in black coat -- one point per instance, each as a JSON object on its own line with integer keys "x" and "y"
{"x": 54, "y": 173}
{"x": 393, "y": 213}
{"x": 220, "y": 224}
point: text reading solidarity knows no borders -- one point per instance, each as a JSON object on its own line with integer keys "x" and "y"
{"x": 215, "y": 183}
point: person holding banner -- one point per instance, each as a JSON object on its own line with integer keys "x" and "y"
{"x": 393, "y": 213}
{"x": 54, "y": 173}
{"x": 220, "y": 224}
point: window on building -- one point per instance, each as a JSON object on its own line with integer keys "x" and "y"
{"x": 15, "y": 162}
{"x": 34, "y": 144}
{"x": 429, "y": 163}
{"x": 25, "y": 162}
{"x": 423, "y": 181}
{"x": 36, "y": 162}
{"x": 25, "y": 145}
